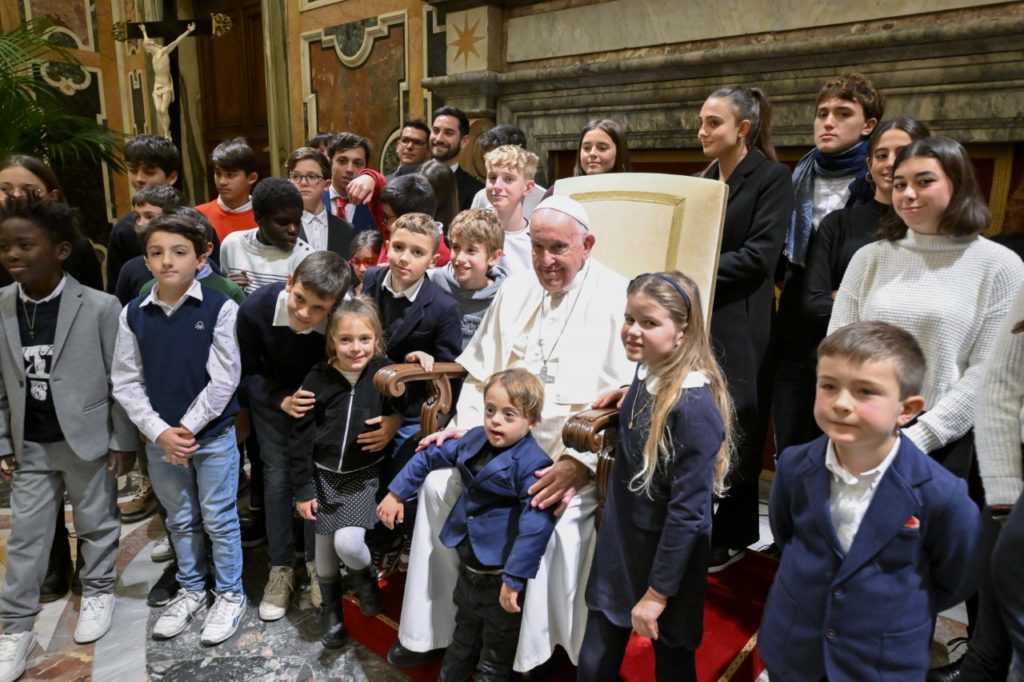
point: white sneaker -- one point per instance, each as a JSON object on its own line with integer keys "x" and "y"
{"x": 179, "y": 613}
{"x": 314, "y": 585}
{"x": 277, "y": 593}
{"x": 14, "y": 651}
{"x": 162, "y": 550}
{"x": 94, "y": 617}
{"x": 223, "y": 619}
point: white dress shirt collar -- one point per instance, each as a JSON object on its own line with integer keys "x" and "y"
{"x": 57, "y": 290}
{"x": 281, "y": 316}
{"x": 195, "y": 290}
{"x": 411, "y": 293}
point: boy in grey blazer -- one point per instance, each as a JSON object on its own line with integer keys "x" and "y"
{"x": 59, "y": 428}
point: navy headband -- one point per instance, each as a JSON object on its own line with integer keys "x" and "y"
{"x": 675, "y": 285}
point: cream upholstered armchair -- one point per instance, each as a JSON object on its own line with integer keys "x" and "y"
{"x": 644, "y": 222}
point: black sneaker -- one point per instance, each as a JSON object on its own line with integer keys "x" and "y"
{"x": 723, "y": 557}
{"x": 166, "y": 587}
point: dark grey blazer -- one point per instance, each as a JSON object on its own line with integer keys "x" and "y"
{"x": 83, "y": 351}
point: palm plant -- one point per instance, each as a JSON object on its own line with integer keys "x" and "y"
{"x": 34, "y": 114}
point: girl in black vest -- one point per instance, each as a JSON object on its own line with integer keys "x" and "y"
{"x": 735, "y": 131}
{"x": 334, "y": 472}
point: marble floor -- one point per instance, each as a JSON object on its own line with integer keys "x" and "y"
{"x": 288, "y": 649}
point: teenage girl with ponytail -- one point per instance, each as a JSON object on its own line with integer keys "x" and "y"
{"x": 735, "y": 132}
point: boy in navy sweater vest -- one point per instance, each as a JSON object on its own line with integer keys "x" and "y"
{"x": 499, "y": 535}
{"x": 281, "y": 336}
{"x": 175, "y": 373}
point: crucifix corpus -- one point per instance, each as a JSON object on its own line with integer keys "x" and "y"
{"x": 163, "y": 58}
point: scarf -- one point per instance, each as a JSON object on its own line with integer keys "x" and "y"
{"x": 852, "y": 162}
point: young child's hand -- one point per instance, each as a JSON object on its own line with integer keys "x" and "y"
{"x": 120, "y": 462}
{"x": 391, "y": 510}
{"x": 612, "y": 398}
{"x": 439, "y": 437}
{"x": 360, "y": 189}
{"x": 7, "y": 466}
{"x": 646, "y": 613}
{"x": 307, "y": 509}
{"x": 299, "y": 403}
{"x": 178, "y": 444}
{"x": 425, "y": 360}
{"x": 241, "y": 279}
{"x": 376, "y": 440}
{"x": 509, "y": 599}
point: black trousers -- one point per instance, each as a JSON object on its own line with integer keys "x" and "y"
{"x": 604, "y": 645}
{"x": 486, "y": 635}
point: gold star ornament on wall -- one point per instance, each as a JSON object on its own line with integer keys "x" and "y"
{"x": 465, "y": 42}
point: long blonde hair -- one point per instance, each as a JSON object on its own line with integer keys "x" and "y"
{"x": 693, "y": 354}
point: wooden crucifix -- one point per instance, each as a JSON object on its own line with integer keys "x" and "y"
{"x": 165, "y": 63}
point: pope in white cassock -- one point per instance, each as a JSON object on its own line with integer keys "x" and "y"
{"x": 562, "y": 323}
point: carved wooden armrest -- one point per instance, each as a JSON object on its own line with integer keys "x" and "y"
{"x": 391, "y": 381}
{"x": 595, "y": 431}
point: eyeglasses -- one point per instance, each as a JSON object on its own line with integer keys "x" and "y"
{"x": 9, "y": 190}
{"x": 412, "y": 142}
{"x": 308, "y": 178}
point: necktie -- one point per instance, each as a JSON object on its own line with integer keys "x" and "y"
{"x": 339, "y": 204}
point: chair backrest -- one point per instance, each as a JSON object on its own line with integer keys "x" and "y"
{"x": 647, "y": 222}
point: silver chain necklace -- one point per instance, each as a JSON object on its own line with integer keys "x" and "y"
{"x": 544, "y": 376}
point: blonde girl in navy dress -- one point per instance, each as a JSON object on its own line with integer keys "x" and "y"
{"x": 651, "y": 559}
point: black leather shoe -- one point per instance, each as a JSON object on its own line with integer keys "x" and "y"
{"x": 401, "y": 657}
{"x": 56, "y": 583}
{"x": 364, "y": 584}
{"x": 76, "y": 579}
{"x": 332, "y": 616}
{"x": 166, "y": 586}
{"x": 947, "y": 673}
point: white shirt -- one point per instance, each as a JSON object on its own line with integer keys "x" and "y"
{"x": 315, "y": 227}
{"x": 57, "y": 290}
{"x": 411, "y": 293}
{"x": 850, "y": 496}
{"x": 223, "y": 366}
{"x": 518, "y": 250}
{"x": 830, "y": 194}
{"x": 350, "y": 208}
{"x": 263, "y": 263}
{"x": 281, "y": 316}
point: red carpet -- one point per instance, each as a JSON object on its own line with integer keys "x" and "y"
{"x": 732, "y": 615}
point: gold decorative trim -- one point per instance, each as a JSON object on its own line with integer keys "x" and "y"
{"x": 742, "y": 656}
{"x": 1002, "y": 175}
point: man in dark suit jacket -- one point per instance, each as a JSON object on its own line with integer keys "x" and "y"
{"x": 449, "y": 135}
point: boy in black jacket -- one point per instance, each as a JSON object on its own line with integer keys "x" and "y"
{"x": 281, "y": 336}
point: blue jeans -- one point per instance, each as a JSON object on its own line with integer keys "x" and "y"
{"x": 202, "y": 496}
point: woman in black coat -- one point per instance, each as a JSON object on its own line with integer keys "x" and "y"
{"x": 735, "y": 131}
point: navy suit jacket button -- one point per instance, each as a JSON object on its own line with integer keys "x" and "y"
{"x": 831, "y": 633}
{"x": 838, "y": 592}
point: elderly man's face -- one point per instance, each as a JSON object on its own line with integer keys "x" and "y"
{"x": 559, "y": 249}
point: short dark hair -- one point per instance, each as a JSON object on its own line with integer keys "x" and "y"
{"x": 409, "y": 194}
{"x": 274, "y": 194}
{"x": 326, "y": 273}
{"x": 371, "y": 239}
{"x": 501, "y": 135}
{"x": 418, "y": 124}
{"x": 618, "y": 135}
{"x": 967, "y": 213}
{"x": 194, "y": 214}
{"x": 524, "y": 389}
{"x": 456, "y": 113}
{"x": 54, "y": 217}
{"x": 235, "y": 154}
{"x": 345, "y": 141}
{"x": 164, "y": 196}
{"x": 153, "y": 151}
{"x": 309, "y": 154}
{"x": 870, "y": 341}
{"x": 176, "y": 223}
{"x": 855, "y": 87}
{"x": 319, "y": 140}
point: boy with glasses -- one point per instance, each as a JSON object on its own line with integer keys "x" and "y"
{"x": 310, "y": 172}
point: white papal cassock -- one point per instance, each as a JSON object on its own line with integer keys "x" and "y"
{"x": 577, "y": 334}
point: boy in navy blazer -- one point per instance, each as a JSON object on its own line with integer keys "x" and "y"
{"x": 499, "y": 535}
{"x": 876, "y": 538}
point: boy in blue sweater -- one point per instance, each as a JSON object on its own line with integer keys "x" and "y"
{"x": 876, "y": 537}
{"x": 175, "y": 372}
{"x": 499, "y": 535}
{"x": 281, "y": 336}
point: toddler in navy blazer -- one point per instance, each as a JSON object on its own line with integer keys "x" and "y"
{"x": 876, "y": 537}
{"x": 499, "y": 535}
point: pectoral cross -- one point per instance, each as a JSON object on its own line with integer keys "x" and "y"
{"x": 544, "y": 376}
